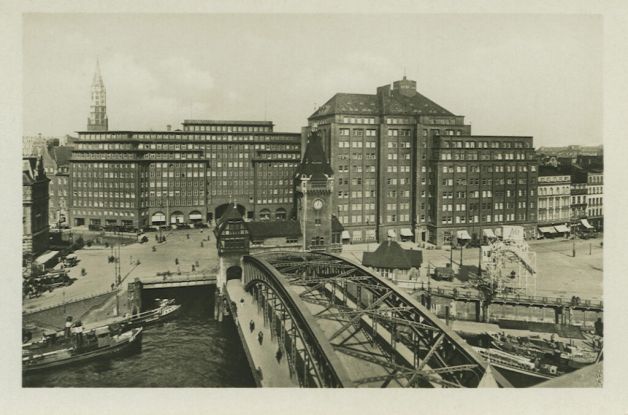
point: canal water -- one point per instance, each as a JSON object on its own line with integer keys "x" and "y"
{"x": 192, "y": 350}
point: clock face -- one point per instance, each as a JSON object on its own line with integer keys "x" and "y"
{"x": 318, "y": 204}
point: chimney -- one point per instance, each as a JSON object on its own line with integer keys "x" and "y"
{"x": 168, "y": 127}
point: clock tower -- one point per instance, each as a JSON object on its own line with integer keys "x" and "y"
{"x": 313, "y": 187}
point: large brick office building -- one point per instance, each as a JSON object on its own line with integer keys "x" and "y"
{"x": 408, "y": 168}
{"x": 141, "y": 178}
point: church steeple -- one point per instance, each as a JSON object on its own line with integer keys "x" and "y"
{"x": 97, "y": 120}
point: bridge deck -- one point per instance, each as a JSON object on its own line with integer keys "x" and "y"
{"x": 177, "y": 280}
{"x": 273, "y": 373}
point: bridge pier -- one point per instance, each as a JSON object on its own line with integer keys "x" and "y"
{"x": 134, "y": 296}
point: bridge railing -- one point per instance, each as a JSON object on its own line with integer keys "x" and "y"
{"x": 530, "y": 299}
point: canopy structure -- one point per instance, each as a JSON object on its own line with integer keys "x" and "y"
{"x": 586, "y": 224}
{"x": 392, "y": 233}
{"x": 46, "y": 256}
{"x": 345, "y": 235}
{"x": 405, "y": 232}
{"x": 561, "y": 228}
{"x": 488, "y": 233}
{"x": 547, "y": 229}
{"x": 463, "y": 235}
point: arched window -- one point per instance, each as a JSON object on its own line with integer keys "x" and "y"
{"x": 264, "y": 214}
{"x": 280, "y": 214}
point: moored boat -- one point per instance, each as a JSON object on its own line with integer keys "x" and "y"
{"x": 96, "y": 344}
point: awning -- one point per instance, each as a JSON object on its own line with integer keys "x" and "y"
{"x": 345, "y": 235}
{"x": 159, "y": 217}
{"x": 498, "y": 231}
{"x": 488, "y": 233}
{"x": 405, "y": 232}
{"x": 586, "y": 223}
{"x": 561, "y": 228}
{"x": 46, "y": 256}
{"x": 392, "y": 233}
{"x": 195, "y": 216}
{"x": 547, "y": 229}
{"x": 463, "y": 235}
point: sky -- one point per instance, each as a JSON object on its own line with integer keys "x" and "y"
{"x": 533, "y": 75}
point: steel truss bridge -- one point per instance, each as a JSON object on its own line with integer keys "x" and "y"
{"x": 339, "y": 325}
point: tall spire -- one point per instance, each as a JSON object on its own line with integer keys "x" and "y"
{"x": 98, "y": 120}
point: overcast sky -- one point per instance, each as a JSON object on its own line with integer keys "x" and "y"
{"x": 537, "y": 75}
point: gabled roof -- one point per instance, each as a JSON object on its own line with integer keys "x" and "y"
{"x": 230, "y": 214}
{"x": 314, "y": 161}
{"x": 389, "y": 254}
{"x": 62, "y": 155}
{"x": 273, "y": 229}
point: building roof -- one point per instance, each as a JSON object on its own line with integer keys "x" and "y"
{"x": 389, "y": 254}
{"x": 273, "y": 229}
{"x": 549, "y": 170}
{"x": 230, "y": 214}
{"x": 32, "y": 170}
{"x": 387, "y": 101}
{"x": 228, "y": 122}
{"x": 62, "y": 155}
{"x": 314, "y": 163}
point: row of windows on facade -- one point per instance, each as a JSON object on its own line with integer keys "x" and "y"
{"x": 554, "y": 215}
{"x": 485, "y": 182}
{"x": 229, "y": 128}
{"x": 595, "y": 190}
{"x": 488, "y": 169}
{"x": 595, "y": 178}
{"x": 496, "y": 218}
{"x": 559, "y": 203}
{"x": 485, "y": 193}
{"x": 595, "y": 212}
{"x": 462, "y": 207}
{"x": 132, "y": 156}
{"x": 554, "y": 190}
{"x": 190, "y": 137}
{"x": 346, "y": 219}
{"x": 471, "y": 156}
{"x": 344, "y": 194}
{"x": 102, "y": 213}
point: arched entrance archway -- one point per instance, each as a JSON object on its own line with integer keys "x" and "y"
{"x": 234, "y": 273}
{"x": 221, "y": 209}
{"x": 196, "y": 216}
{"x": 280, "y": 214}
{"x": 158, "y": 219}
{"x": 264, "y": 214}
{"x": 177, "y": 217}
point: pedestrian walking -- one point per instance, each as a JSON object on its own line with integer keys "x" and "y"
{"x": 252, "y": 326}
{"x": 279, "y": 355}
{"x": 260, "y": 337}
{"x": 176, "y": 261}
{"x": 193, "y": 268}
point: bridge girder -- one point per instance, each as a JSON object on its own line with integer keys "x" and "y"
{"x": 412, "y": 342}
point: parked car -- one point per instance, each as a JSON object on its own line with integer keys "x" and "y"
{"x": 200, "y": 225}
{"x": 70, "y": 260}
{"x": 443, "y": 274}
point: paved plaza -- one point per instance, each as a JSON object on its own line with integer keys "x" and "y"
{"x": 100, "y": 273}
{"x": 559, "y": 274}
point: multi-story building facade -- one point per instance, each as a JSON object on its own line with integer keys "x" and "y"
{"x": 57, "y": 166}
{"x": 554, "y": 199}
{"x": 34, "y": 208}
{"x": 388, "y": 151}
{"x": 578, "y": 195}
{"x": 139, "y": 178}
{"x": 595, "y": 198}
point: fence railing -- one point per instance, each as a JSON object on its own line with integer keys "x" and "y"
{"x": 69, "y": 301}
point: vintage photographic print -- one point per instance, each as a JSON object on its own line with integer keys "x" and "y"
{"x": 312, "y": 201}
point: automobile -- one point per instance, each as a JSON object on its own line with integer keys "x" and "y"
{"x": 443, "y": 274}
{"x": 199, "y": 225}
{"x": 70, "y": 260}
